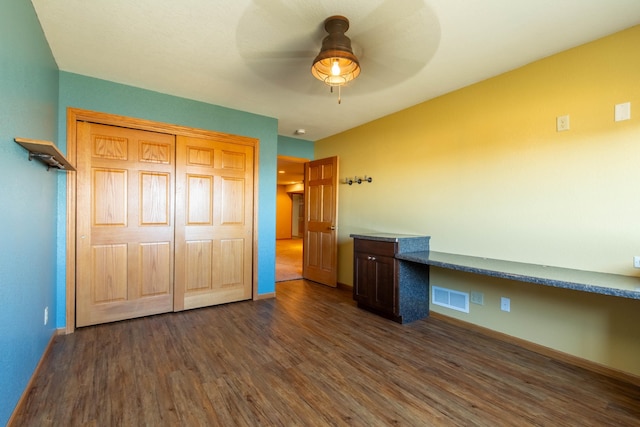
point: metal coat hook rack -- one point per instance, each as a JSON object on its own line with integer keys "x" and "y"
{"x": 357, "y": 180}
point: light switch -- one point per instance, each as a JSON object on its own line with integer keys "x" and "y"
{"x": 623, "y": 112}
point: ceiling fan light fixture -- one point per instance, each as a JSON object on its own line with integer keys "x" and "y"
{"x": 335, "y": 68}
{"x": 336, "y": 64}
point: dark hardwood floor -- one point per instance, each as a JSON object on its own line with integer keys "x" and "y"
{"x": 310, "y": 357}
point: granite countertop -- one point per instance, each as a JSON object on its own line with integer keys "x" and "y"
{"x": 386, "y": 237}
{"x": 404, "y": 242}
{"x": 586, "y": 281}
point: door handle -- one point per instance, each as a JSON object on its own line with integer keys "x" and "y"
{"x": 333, "y": 227}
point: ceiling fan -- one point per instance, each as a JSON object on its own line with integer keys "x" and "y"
{"x": 391, "y": 40}
{"x": 336, "y": 65}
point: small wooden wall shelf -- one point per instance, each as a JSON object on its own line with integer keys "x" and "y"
{"x": 46, "y": 152}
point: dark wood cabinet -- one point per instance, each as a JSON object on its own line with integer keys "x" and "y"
{"x": 386, "y": 285}
{"x": 375, "y": 284}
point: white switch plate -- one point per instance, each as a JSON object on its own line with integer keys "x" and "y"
{"x": 562, "y": 123}
{"x": 505, "y": 304}
{"x": 636, "y": 261}
{"x": 623, "y": 111}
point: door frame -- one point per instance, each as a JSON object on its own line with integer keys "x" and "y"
{"x": 73, "y": 116}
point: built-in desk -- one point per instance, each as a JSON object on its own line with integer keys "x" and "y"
{"x": 579, "y": 280}
{"x": 391, "y": 275}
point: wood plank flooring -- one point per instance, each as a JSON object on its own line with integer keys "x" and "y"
{"x": 310, "y": 357}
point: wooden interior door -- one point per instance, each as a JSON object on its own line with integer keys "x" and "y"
{"x": 214, "y": 222}
{"x": 125, "y": 232}
{"x": 320, "y": 246}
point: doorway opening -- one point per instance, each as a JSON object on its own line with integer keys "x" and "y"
{"x": 289, "y": 218}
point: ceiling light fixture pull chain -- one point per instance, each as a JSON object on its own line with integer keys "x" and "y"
{"x": 339, "y": 93}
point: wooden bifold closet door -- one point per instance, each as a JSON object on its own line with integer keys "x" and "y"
{"x": 214, "y": 223}
{"x": 144, "y": 220}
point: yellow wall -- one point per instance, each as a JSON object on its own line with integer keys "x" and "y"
{"x": 484, "y": 172}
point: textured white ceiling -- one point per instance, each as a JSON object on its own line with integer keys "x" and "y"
{"x": 255, "y": 55}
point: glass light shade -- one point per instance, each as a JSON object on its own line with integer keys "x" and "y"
{"x": 347, "y": 62}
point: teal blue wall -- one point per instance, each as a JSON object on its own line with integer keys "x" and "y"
{"x": 33, "y": 102}
{"x": 99, "y": 95}
{"x": 294, "y": 147}
{"x": 28, "y": 108}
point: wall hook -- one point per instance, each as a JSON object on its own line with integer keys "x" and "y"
{"x": 357, "y": 180}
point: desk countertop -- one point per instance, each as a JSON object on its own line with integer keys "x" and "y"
{"x": 586, "y": 281}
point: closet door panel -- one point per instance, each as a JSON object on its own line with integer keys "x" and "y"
{"x": 214, "y": 204}
{"x": 124, "y": 230}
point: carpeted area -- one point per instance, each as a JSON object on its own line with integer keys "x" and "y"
{"x": 288, "y": 259}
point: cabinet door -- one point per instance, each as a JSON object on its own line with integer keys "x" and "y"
{"x": 374, "y": 282}
{"x": 362, "y": 282}
{"x": 383, "y": 282}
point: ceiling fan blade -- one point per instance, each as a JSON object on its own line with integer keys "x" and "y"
{"x": 389, "y": 13}
{"x": 397, "y": 40}
{"x": 277, "y": 55}
{"x": 393, "y": 39}
{"x": 388, "y": 73}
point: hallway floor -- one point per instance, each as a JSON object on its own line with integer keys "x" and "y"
{"x": 288, "y": 259}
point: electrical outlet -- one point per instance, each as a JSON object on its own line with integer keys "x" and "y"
{"x": 477, "y": 298}
{"x": 505, "y": 304}
{"x": 562, "y": 123}
{"x": 636, "y": 261}
{"x": 46, "y": 316}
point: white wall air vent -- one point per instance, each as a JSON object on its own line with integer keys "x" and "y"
{"x": 450, "y": 298}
